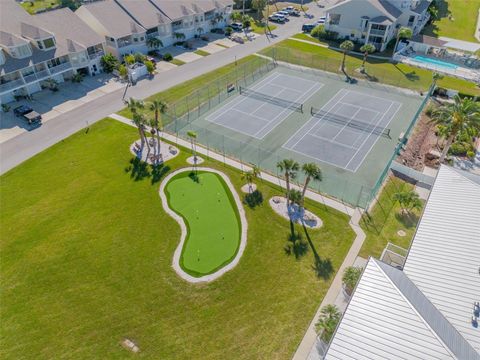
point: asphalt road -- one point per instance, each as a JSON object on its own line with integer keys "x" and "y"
{"x": 26, "y": 145}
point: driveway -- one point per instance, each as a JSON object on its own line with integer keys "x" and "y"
{"x": 28, "y": 143}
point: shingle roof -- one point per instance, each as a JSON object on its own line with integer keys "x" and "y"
{"x": 383, "y": 6}
{"x": 113, "y": 18}
{"x": 444, "y": 259}
{"x": 429, "y": 40}
{"x": 381, "y": 20}
{"x": 7, "y": 39}
{"x": 143, "y": 12}
{"x": 421, "y": 6}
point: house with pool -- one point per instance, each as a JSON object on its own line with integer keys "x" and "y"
{"x": 444, "y": 55}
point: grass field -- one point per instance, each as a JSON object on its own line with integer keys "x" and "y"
{"x": 86, "y": 262}
{"x": 33, "y": 6}
{"x": 210, "y": 213}
{"x": 221, "y": 74}
{"x": 177, "y": 62}
{"x": 201, "y": 52}
{"x": 383, "y": 71}
{"x": 458, "y": 19}
{"x": 386, "y": 220}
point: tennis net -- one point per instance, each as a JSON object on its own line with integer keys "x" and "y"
{"x": 349, "y": 122}
{"x": 272, "y": 100}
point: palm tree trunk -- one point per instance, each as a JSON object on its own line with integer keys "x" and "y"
{"x": 446, "y": 147}
{"x": 343, "y": 61}
{"x": 396, "y": 44}
{"x": 287, "y": 185}
{"x": 307, "y": 180}
{"x": 159, "y": 148}
{"x": 364, "y": 60}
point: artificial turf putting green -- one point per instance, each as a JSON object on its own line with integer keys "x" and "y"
{"x": 210, "y": 213}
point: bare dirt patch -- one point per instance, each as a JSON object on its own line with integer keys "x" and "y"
{"x": 422, "y": 144}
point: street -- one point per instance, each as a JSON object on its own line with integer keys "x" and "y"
{"x": 26, "y": 145}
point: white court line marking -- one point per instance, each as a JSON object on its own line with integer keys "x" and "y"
{"x": 264, "y": 103}
{"x": 216, "y": 114}
{"x": 368, "y": 137}
{"x": 236, "y": 129}
{"x": 290, "y": 110}
{"x": 344, "y": 126}
{"x": 315, "y": 120}
{"x": 371, "y": 146}
{"x": 369, "y": 133}
{"x": 250, "y": 114}
{"x": 375, "y": 97}
{"x": 318, "y": 159}
{"x": 296, "y": 78}
{"x": 333, "y": 142}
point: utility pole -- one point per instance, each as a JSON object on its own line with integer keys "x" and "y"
{"x": 243, "y": 9}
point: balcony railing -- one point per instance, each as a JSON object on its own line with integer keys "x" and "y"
{"x": 60, "y": 68}
{"x": 11, "y": 85}
{"x": 377, "y": 32}
{"x": 42, "y": 74}
{"x": 96, "y": 55}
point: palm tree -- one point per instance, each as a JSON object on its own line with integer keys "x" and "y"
{"x": 158, "y": 107}
{"x": 435, "y": 77}
{"x": 134, "y": 105}
{"x": 327, "y": 322}
{"x": 346, "y": 46}
{"x": 154, "y": 43}
{"x": 350, "y": 277}
{"x": 312, "y": 172}
{"x": 462, "y": 115}
{"x": 403, "y": 33}
{"x": 200, "y": 31}
{"x": 236, "y": 16}
{"x": 250, "y": 176}
{"x": 139, "y": 121}
{"x": 289, "y": 167}
{"x": 366, "y": 49}
{"x": 193, "y": 138}
{"x": 408, "y": 200}
{"x": 295, "y": 197}
{"x": 179, "y": 36}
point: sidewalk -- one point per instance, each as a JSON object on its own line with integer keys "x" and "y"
{"x": 308, "y": 343}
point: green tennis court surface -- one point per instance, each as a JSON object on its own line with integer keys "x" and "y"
{"x": 211, "y": 216}
{"x": 350, "y": 130}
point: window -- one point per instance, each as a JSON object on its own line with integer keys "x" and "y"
{"x": 142, "y": 38}
{"x": 335, "y": 19}
{"x": 152, "y": 30}
{"x": 20, "y": 52}
{"x": 49, "y": 43}
{"x": 40, "y": 45}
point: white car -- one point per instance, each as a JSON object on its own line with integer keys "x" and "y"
{"x": 284, "y": 13}
{"x": 321, "y": 20}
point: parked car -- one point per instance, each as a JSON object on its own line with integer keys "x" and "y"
{"x": 308, "y": 27}
{"x": 277, "y": 18}
{"x": 321, "y": 20}
{"x": 151, "y": 59}
{"x": 284, "y": 13}
{"x": 28, "y": 114}
{"x": 295, "y": 12}
{"x": 236, "y": 26}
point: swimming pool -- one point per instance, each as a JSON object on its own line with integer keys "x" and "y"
{"x": 435, "y": 62}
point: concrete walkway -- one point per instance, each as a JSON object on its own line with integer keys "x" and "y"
{"x": 337, "y": 205}
{"x": 477, "y": 29}
{"x": 308, "y": 342}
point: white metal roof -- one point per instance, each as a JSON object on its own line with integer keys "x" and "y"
{"x": 380, "y": 323}
{"x": 444, "y": 259}
{"x": 460, "y": 44}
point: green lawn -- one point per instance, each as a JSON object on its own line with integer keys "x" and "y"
{"x": 201, "y": 52}
{"x": 86, "y": 262}
{"x": 458, "y": 19}
{"x": 385, "y": 221}
{"x": 259, "y": 27}
{"x": 177, "y": 62}
{"x": 215, "y": 81}
{"x": 383, "y": 71}
{"x": 211, "y": 215}
{"x": 33, "y": 6}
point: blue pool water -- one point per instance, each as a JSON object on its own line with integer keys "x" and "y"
{"x": 435, "y": 62}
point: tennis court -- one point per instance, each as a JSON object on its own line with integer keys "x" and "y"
{"x": 344, "y": 130}
{"x": 261, "y": 108}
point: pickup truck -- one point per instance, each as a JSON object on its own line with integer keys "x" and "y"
{"x": 28, "y": 114}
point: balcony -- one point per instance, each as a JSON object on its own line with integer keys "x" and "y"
{"x": 377, "y": 32}
{"x": 11, "y": 85}
{"x": 96, "y": 55}
{"x": 60, "y": 68}
{"x": 36, "y": 76}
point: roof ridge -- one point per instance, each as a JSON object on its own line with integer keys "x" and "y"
{"x": 443, "y": 330}
{"x": 464, "y": 174}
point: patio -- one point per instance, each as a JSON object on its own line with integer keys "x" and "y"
{"x": 444, "y": 55}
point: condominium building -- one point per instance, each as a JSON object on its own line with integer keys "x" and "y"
{"x": 376, "y": 21}
{"x": 35, "y": 48}
{"x": 429, "y": 306}
{"x": 126, "y": 25}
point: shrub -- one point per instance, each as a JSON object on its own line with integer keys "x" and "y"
{"x": 5, "y": 108}
{"x": 228, "y": 31}
{"x": 77, "y": 78}
{"x": 167, "y": 57}
{"x": 140, "y": 58}
{"x": 150, "y": 67}
{"x": 318, "y": 32}
{"x": 460, "y": 148}
{"x": 429, "y": 110}
{"x": 471, "y": 154}
{"x": 122, "y": 71}
{"x": 350, "y": 277}
{"x": 109, "y": 62}
{"x": 129, "y": 59}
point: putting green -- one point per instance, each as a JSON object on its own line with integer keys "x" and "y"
{"x": 212, "y": 219}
